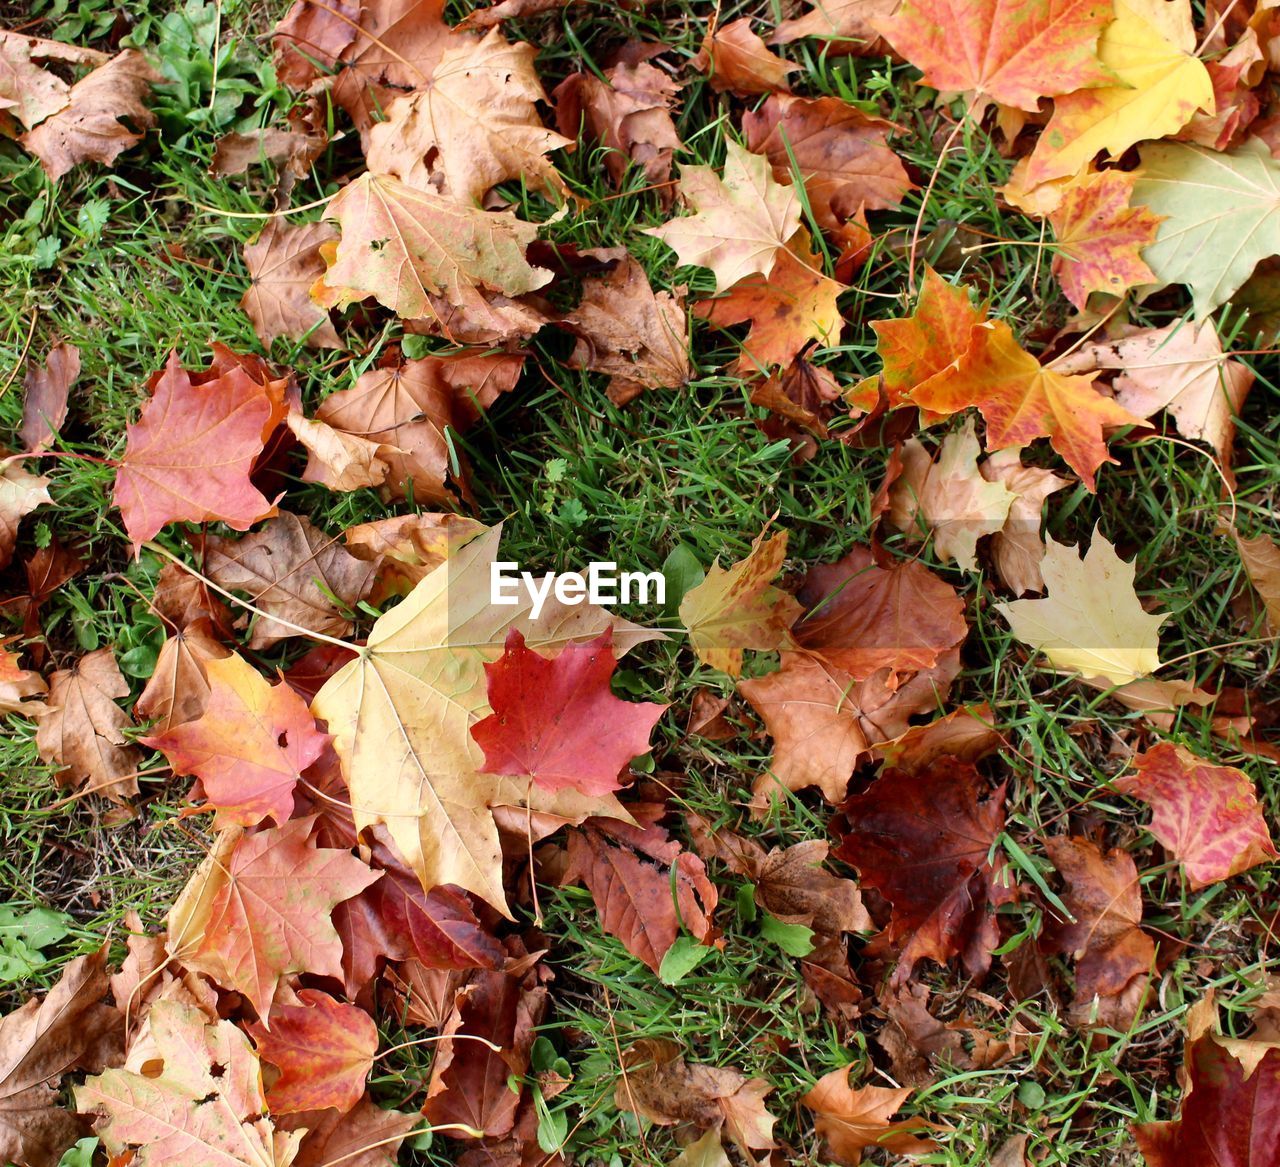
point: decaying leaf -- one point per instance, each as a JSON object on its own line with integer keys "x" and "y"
{"x": 284, "y": 262}
{"x": 853, "y": 1120}
{"x": 45, "y": 392}
{"x": 736, "y": 60}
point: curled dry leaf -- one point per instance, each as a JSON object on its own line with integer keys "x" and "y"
{"x": 737, "y": 608}
{"x": 284, "y": 262}
{"x": 20, "y": 493}
{"x": 556, "y": 722}
{"x": 1208, "y": 817}
{"x": 293, "y": 570}
{"x": 638, "y": 337}
{"x": 924, "y": 842}
{"x": 1113, "y": 956}
{"x": 81, "y": 733}
{"x": 44, "y": 404}
{"x": 405, "y": 549}
{"x": 105, "y": 115}
{"x": 1091, "y": 620}
{"x": 851, "y": 1121}
{"x": 737, "y": 61}
{"x": 30, "y": 93}
{"x": 1017, "y": 550}
{"x": 337, "y": 459}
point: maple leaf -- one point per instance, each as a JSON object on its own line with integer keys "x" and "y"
{"x": 44, "y": 403}
{"x": 741, "y": 223}
{"x": 1021, "y": 400}
{"x": 839, "y": 150}
{"x": 17, "y": 684}
{"x": 1101, "y": 236}
{"x": 639, "y": 338}
{"x": 39, "y": 1042}
{"x": 1114, "y": 957}
{"x": 189, "y": 455}
{"x": 823, "y": 721}
{"x": 190, "y": 1092}
{"x": 405, "y": 549}
{"x": 1091, "y": 621}
{"x": 846, "y": 26}
{"x": 20, "y": 493}
{"x": 852, "y": 1120}
{"x": 1220, "y": 214}
{"x": 291, "y": 151}
{"x": 1206, "y": 816}
{"x": 293, "y": 570}
{"x": 792, "y": 307}
{"x": 736, "y": 608}
{"x": 475, "y": 121}
{"x": 737, "y": 61}
{"x": 556, "y": 722}
{"x": 629, "y": 111}
{"x": 178, "y": 689}
{"x": 954, "y": 502}
{"x": 310, "y": 37}
{"x": 1017, "y": 549}
{"x": 1261, "y": 559}
{"x": 366, "y": 1136}
{"x": 28, "y": 92}
{"x": 337, "y": 459}
{"x": 284, "y": 262}
{"x": 324, "y": 1051}
{"x": 924, "y": 842}
{"x": 1178, "y": 368}
{"x": 90, "y": 128}
{"x": 408, "y": 407}
{"x": 1014, "y": 54}
{"x": 920, "y": 350}
{"x": 645, "y": 886}
{"x": 402, "y": 246}
{"x": 862, "y": 618}
{"x": 966, "y": 733}
{"x": 419, "y": 682}
{"x": 81, "y": 732}
{"x": 1150, "y": 48}
{"x": 1229, "y": 1116}
{"x": 248, "y": 747}
{"x": 264, "y": 904}
{"x": 658, "y": 1084}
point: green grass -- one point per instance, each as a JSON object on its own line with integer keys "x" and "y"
{"x": 138, "y": 266}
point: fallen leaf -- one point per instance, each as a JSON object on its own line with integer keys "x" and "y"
{"x": 1013, "y": 54}
{"x": 1261, "y": 558}
{"x": 788, "y": 310}
{"x": 284, "y": 262}
{"x": 90, "y": 128}
{"x": 366, "y": 1136}
{"x": 45, "y": 390}
{"x": 1101, "y": 236}
{"x": 18, "y": 684}
{"x": 628, "y": 111}
{"x": 661, "y": 1086}
{"x": 862, "y": 618}
{"x": 1113, "y": 956}
{"x": 420, "y": 681}
{"x": 189, "y": 455}
{"x": 292, "y": 570}
{"x": 248, "y": 747}
{"x": 473, "y": 126}
{"x": 924, "y": 842}
{"x": 845, "y": 26}
{"x": 178, "y": 689}
{"x": 967, "y": 734}
{"x": 1091, "y": 620}
{"x": 310, "y": 38}
{"x": 1206, "y": 816}
{"x": 840, "y": 152}
{"x": 293, "y": 151}
{"x": 405, "y": 549}
{"x": 737, "y": 61}
{"x": 639, "y": 338}
{"x": 851, "y": 1121}
{"x": 1150, "y": 48}
{"x": 736, "y": 608}
{"x": 190, "y": 1092}
{"x": 556, "y": 722}
{"x": 742, "y": 221}
{"x": 402, "y": 246}
{"x": 265, "y": 911}
{"x": 20, "y": 493}
{"x": 30, "y": 93}
{"x": 645, "y": 886}
{"x": 949, "y": 497}
{"x": 324, "y": 1051}
{"x": 69, "y": 1028}
{"x": 339, "y": 460}
{"x": 1017, "y": 550}
{"x": 81, "y": 732}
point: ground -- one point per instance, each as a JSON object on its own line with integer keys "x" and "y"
{"x": 130, "y": 262}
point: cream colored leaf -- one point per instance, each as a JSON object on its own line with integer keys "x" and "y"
{"x": 1091, "y": 621}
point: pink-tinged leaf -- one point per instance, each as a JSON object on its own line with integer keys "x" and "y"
{"x": 556, "y": 721}
{"x": 1207, "y": 816}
